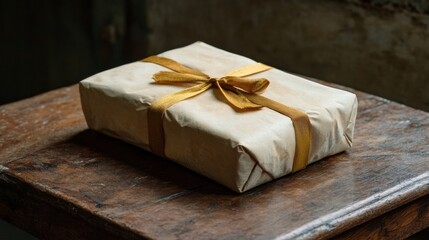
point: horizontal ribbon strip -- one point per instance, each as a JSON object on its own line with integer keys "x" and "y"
{"x": 239, "y": 92}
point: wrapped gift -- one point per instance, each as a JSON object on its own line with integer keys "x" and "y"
{"x": 238, "y": 122}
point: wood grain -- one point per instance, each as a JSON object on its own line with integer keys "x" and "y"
{"x": 49, "y": 157}
{"x": 19, "y": 206}
{"x": 397, "y": 224}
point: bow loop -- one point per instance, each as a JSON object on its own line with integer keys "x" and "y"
{"x": 257, "y": 85}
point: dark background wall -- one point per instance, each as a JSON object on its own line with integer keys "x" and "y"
{"x": 48, "y": 44}
{"x": 378, "y": 46}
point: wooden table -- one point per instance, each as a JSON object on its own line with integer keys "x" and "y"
{"x": 60, "y": 180}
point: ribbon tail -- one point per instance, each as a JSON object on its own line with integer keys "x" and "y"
{"x": 236, "y": 99}
{"x": 173, "y": 65}
{"x": 249, "y": 70}
{"x": 156, "y": 115}
{"x": 175, "y": 77}
{"x": 301, "y": 125}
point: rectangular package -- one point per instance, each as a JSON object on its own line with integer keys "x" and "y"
{"x": 240, "y": 150}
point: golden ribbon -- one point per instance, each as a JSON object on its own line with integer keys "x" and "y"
{"x": 238, "y": 91}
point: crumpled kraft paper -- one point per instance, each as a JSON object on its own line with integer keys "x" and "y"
{"x": 240, "y": 150}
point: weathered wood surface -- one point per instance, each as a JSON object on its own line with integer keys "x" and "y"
{"x": 94, "y": 184}
{"x": 410, "y": 218}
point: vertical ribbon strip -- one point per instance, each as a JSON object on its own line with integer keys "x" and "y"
{"x": 239, "y": 92}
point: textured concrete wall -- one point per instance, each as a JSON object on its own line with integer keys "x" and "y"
{"x": 381, "y": 47}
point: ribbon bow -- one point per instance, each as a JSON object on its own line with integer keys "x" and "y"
{"x": 240, "y": 92}
{"x": 232, "y": 87}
